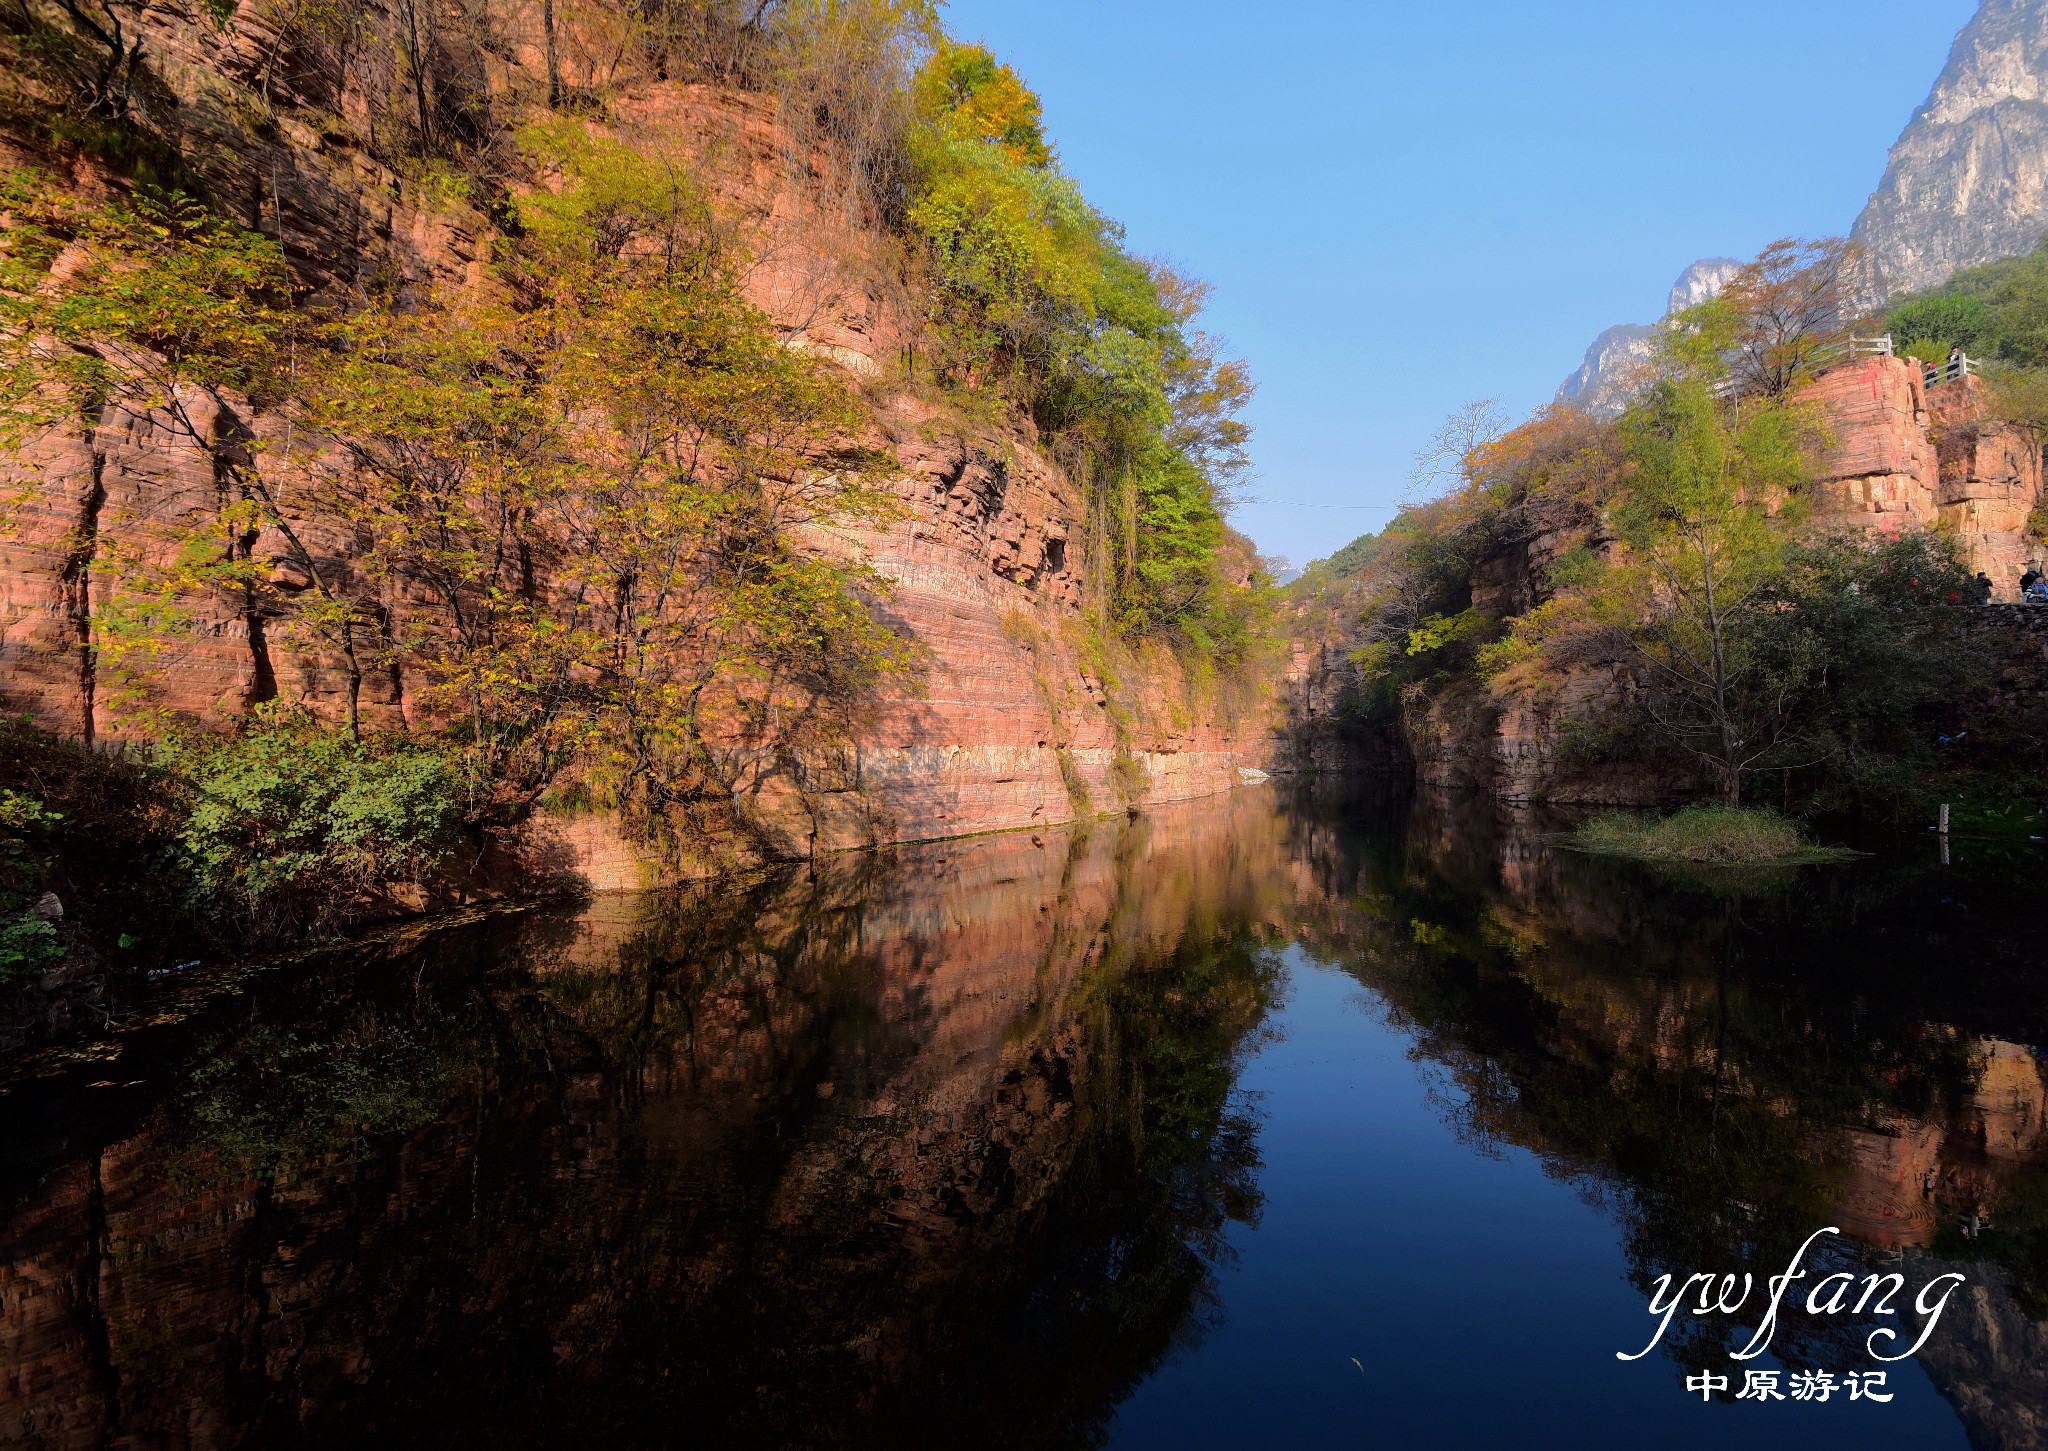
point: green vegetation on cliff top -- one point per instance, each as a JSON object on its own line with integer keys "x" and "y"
{"x": 1998, "y": 315}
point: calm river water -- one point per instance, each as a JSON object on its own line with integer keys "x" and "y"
{"x": 1272, "y": 1121}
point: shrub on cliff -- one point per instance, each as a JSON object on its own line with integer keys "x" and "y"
{"x": 291, "y": 822}
{"x": 96, "y": 828}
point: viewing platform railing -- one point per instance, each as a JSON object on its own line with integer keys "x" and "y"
{"x": 1962, "y": 366}
{"x": 1830, "y": 355}
{"x": 1848, "y": 348}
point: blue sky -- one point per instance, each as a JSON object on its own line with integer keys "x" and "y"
{"x": 1407, "y": 207}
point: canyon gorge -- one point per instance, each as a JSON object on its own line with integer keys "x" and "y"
{"x": 647, "y": 799}
{"x": 992, "y": 555}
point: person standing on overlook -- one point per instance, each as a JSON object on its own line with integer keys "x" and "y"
{"x": 1980, "y": 589}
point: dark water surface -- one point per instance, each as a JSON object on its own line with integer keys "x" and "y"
{"x": 1270, "y": 1121}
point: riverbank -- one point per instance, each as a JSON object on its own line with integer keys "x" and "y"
{"x": 115, "y": 888}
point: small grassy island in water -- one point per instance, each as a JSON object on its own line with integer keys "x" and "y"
{"x": 1710, "y": 835}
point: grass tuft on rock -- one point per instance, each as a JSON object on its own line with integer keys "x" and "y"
{"x": 1709, "y": 835}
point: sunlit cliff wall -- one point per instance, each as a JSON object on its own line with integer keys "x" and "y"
{"x": 1899, "y": 455}
{"x": 1005, "y": 729}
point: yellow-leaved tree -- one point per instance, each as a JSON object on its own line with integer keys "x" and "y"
{"x": 599, "y": 502}
{"x": 583, "y": 516}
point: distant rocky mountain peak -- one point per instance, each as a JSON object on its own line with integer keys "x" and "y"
{"x": 1967, "y": 181}
{"x": 1620, "y": 358}
{"x": 1701, "y": 282}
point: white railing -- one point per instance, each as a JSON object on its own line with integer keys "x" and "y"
{"x": 1830, "y": 355}
{"x": 1851, "y": 347}
{"x": 1962, "y": 365}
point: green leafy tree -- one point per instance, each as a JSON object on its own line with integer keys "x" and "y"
{"x": 601, "y": 488}
{"x": 982, "y": 99}
{"x": 290, "y": 821}
{"x": 29, "y": 942}
{"x": 1933, "y": 325}
{"x": 1998, "y": 314}
{"x": 1781, "y": 318}
{"x": 1868, "y": 623}
{"x": 1704, "y": 525}
{"x": 1036, "y": 300}
{"x": 1756, "y": 647}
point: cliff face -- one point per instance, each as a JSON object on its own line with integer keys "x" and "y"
{"x": 1908, "y": 455}
{"x": 1005, "y": 729}
{"x": 846, "y": 1107}
{"x": 1901, "y": 455}
{"x": 1967, "y": 181}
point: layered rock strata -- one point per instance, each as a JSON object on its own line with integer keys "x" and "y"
{"x": 1906, "y": 455}
{"x": 1006, "y": 729}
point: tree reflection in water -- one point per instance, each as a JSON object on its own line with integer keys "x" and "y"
{"x": 950, "y": 1139}
{"x": 1728, "y": 1062}
{"x": 945, "y": 1138}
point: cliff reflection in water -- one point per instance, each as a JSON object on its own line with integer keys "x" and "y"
{"x": 943, "y": 1137}
{"x": 1727, "y": 1062}
{"x": 949, "y": 1139}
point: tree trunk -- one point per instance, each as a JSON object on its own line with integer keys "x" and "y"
{"x": 355, "y": 682}
{"x": 416, "y": 59}
{"x": 547, "y": 25}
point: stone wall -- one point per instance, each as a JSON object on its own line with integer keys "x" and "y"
{"x": 2017, "y": 638}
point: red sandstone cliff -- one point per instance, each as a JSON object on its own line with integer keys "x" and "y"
{"x": 1899, "y": 455}
{"x": 1008, "y": 729}
{"x": 1905, "y": 454}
